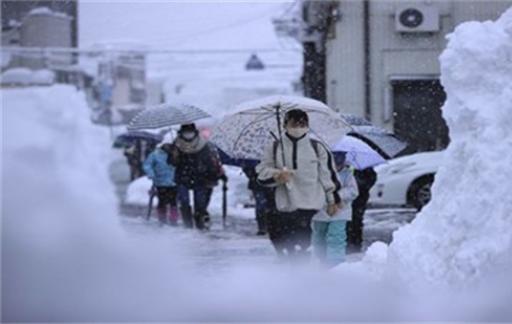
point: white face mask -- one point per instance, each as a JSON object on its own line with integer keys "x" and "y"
{"x": 297, "y": 132}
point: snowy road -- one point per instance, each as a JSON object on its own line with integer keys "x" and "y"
{"x": 237, "y": 244}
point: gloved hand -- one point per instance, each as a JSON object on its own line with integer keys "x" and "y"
{"x": 223, "y": 177}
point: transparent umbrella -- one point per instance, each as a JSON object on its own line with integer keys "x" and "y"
{"x": 166, "y": 115}
{"x": 253, "y": 125}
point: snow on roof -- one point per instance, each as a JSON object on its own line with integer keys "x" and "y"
{"x": 17, "y": 76}
{"x": 48, "y": 12}
{"x": 43, "y": 77}
{"x": 24, "y": 76}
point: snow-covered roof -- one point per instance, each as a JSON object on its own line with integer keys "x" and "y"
{"x": 47, "y": 12}
{"x": 24, "y": 76}
{"x": 17, "y": 76}
{"x": 43, "y": 77}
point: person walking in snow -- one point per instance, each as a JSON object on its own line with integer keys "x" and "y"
{"x": 132, "y": 154}
{"x": 329, "y": 237}
{"x": 162, "y": 174}
{"x": 304, "y": 182}
{"x": 365, "y": 179}
{"x": 198, "y": 169}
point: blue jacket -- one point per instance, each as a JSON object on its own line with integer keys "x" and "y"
{"x": 157, "y": 169}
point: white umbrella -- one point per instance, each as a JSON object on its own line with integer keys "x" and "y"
{"x": 166, "y": 115}
{"x": 253, "y": 125}
{"x": 358, "y": 154}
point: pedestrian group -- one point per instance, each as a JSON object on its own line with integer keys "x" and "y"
{"x": 305, "y": 196}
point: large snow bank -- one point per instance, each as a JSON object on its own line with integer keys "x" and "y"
{"x": 466, "y": 230}
{"x": 64, "y": 255}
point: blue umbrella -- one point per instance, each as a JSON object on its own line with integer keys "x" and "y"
{"x": 380, "y": 139}
{"x": 238, "y": 162}
{"x": 357, "y": 153}
{"x": 130, "y": 137}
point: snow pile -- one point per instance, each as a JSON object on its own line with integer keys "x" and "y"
{"x": 64, "y": 255}
{"x": 24, "y": 76}
{"x": 466, "y": 230}
{"x": 137, "y": 192}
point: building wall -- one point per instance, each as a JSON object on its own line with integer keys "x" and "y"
{"x": 46, "y": 31}
{"x": 17, "y": 10}
{"x": 345, "y": 60}
{"x": 392, "y": 55}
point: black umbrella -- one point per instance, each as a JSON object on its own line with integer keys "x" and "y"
{"x": 383, "y": 141}
{"x": 380, "y": 139}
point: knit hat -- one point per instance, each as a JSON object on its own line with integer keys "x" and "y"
{"x": 188, "y": 128}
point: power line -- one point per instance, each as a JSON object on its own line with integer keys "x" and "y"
{"x": 94, "y": 52}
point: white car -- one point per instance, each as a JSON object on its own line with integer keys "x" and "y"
{"x": 405, "y": 181}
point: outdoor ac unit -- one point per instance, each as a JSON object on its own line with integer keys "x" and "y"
{"x": 417, "y": 18}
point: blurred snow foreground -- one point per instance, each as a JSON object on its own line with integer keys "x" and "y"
{"x": 65, "y": 256}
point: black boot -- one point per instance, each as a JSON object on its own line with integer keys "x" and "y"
{"x": 202, "y": 220}
{"x": 186, "y": 215}
{"x": 262, "y": 224}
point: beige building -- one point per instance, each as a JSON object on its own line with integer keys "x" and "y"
{"x": 382, "y": 61}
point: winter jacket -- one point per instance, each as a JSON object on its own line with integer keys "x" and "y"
{"x": 197, "y": 163}
{"x": 157, "y": 169}
{"x": 314, "y": 181}
{"x": 348, "y": 193}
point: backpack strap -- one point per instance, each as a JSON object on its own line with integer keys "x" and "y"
{"x": 274, "y": 152}
{"x": 275, "y": 144}
{"x": 315, "y": 144}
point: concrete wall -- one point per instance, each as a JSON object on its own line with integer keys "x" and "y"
{"x": 393, "y": 55}
{"x": 46, "y": 30}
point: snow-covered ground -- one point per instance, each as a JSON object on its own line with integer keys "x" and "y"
{"x": 67, "y": 256}
{"x": 237, "y": 194}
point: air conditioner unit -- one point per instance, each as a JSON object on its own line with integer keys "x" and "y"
{"x": 417, "y": 18}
